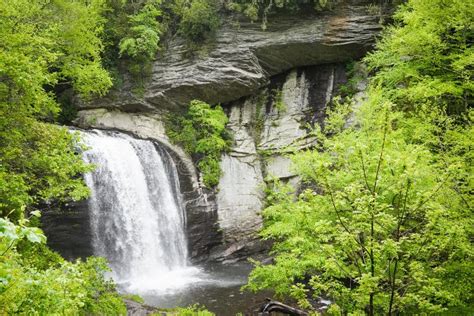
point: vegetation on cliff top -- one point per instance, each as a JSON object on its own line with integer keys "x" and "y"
{"x": 134, "y": 29}
{"x": 385, "y": 224}
{"x": 260, "y": 10}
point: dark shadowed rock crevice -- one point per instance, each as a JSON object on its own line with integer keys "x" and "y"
{"x": 68, "y": 230}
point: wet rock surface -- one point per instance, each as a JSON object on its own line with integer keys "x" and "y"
{"x": 68, "y": 230}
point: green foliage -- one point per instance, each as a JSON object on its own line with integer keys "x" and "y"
{"x": 11, "y": 234}
{"x": 63, "y": 35}
{"x": 38, "y": 255}
{"x": 133, "y": 30}
{"x": 141, "y": 40}
{"x": 193, "y": 310}
{"x": 71, "y": 288}
{"x": 132, "y": 38}
{"x": 43, "y": 45}
{"x": 260, "y": 10}
{"x": 385, "y": 225}
{"x": 356, "y": 72}
{"x": 38, "y": 163}
{"x": 382, "y": 225}
{"x": 101, "y": 297}
{"x": 32, "y": 284}
{"x": 202, "y": 133}
{"x": 199, "y": 20}
{"x": 427, "y": 56}
{"x": 278, "y": 101}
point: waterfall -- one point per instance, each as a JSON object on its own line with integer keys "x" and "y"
{"x": 137, "y": 217}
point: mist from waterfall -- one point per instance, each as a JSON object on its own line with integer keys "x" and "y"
{"x": 136, "y": 211}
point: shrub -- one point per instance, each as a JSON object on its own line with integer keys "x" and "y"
{"x": 202, "y": 133}
{"x": 199, "y": 20}
{"x": 134, "y": 297}
{"x": 39, "y": 284}
{"x": 142, "y": 39}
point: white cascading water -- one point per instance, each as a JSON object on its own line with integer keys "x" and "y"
{"x": 137, "y": 218}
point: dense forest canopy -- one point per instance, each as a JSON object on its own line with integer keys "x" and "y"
{"x": 385, "y": 223}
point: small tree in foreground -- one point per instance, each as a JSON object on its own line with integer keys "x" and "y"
{"x": 380, "y": 228}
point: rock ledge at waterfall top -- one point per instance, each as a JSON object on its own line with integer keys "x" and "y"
{"x": 243, "y": 56}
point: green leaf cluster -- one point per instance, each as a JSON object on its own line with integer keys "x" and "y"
{"x": 143, "y": 34}
{"x": 132, "y": 36}
{"x": 11, "y": 234}
{"x": 278, "y": 101}
{"x": 426, "y": 57}
{"x": 199, "y": 19}
{"x": 47, "y": 43}
{"x": 134, "y": 29}
{"x": 38, "y": 285}
{"x": 384, "y": 225}
{"x": 134, "y": 297}
{"x": 69, "y": 288}
{"x": 202, "y": 133}
{"x": 192, "y": 310}
{"x": 44, "y": 45}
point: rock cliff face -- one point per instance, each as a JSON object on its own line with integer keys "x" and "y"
{"x": 242, "y": 57}
{"x": 272, "y": 84}
{"x": 266, "y": 127}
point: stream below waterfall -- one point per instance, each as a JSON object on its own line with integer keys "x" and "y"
{"x": 138, "y": 223}
{"x": 218, "y": 290}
